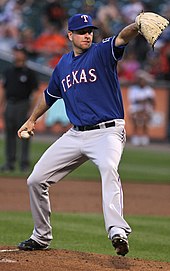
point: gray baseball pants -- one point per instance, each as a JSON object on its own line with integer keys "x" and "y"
{"x": 104, "y": 148}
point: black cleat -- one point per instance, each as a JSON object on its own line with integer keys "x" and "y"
{"x": 120, "y": 243}
{"x": 31, "y": 245}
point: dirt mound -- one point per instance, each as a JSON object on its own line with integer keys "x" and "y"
{"x": 64, "y": 260}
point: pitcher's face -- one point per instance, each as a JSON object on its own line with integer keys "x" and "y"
{"x": 81, "y": 39}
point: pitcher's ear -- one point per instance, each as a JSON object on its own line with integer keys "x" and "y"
{"x": 69, "y": 34}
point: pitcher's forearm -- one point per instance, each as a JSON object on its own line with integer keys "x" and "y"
{"x": 127, "y": 34}
{"x": 39, "y": 109}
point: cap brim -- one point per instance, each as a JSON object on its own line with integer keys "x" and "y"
{"x": 86, "y": 26}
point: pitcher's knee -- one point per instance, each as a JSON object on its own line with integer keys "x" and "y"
{"x": 33, "y": 179}
{"x": 109, "y": 167}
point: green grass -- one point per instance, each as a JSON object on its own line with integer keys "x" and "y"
{"x": 85, "y": 232}
{"x": 145, "y": 165}
{"x": 137, "y": 164}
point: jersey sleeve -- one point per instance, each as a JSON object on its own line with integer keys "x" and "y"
{"x": 109, "y": 51}
{"x": 52, "y": 92}
{"x": 117, "y": 51}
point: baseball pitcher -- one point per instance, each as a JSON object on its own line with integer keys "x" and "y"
{"x": 86, "y": 79}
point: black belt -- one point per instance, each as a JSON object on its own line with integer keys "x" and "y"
{"x": 93, "y": 127}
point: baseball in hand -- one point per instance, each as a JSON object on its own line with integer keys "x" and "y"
{"x": 26, "y": 134}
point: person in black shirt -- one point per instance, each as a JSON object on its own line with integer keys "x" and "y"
{"x": 19, "y": 85}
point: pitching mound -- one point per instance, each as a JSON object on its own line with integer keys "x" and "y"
{"x": 64, "y": 260}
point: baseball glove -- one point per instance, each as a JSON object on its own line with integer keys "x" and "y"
{"x": 151, "y": 26}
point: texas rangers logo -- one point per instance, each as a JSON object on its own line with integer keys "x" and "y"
{"x": 85, "y": 17}
{"x": 79, "y": 77}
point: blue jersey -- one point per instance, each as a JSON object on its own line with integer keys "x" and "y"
{"x": 89, "y": 84}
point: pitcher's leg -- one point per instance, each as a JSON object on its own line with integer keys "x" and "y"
{"x": 41, "y": 210}
{"x": 55, "y": 163}
{"x": 116, "y": 226}
{"x": 106, "y": 154}
{"x": 112, "y": 196}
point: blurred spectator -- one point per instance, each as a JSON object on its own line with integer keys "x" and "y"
{"x": 11, "y": 12}
{"x": 152, "y": 64}
{"x": 8, "y": 38}
{"x": 141, "y": 49}
{"x": 11, "y": 21}
{"x": 109, "y": 17}
{"x": 165, "y": 61}
{"x": 55, "y": 13}
{"x": 165, "y": 9}
{"x": 89, "y": 7}
{"x": 27, "y": 38}
{"x": 131, "y": 10}
{"x": 19, "y": 85}
{"x": 128, "y": 67}
{"x": 50, "y": 43}
{"x": 12, "y": 16}
{"x": 141, "y": 98}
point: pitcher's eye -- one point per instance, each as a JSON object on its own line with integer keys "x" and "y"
{"x": 83, "y": 31}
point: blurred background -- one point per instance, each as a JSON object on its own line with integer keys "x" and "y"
{"x": 42, "y": 27}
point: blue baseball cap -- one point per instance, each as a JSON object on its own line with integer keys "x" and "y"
{"x": 80, "y": 21}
